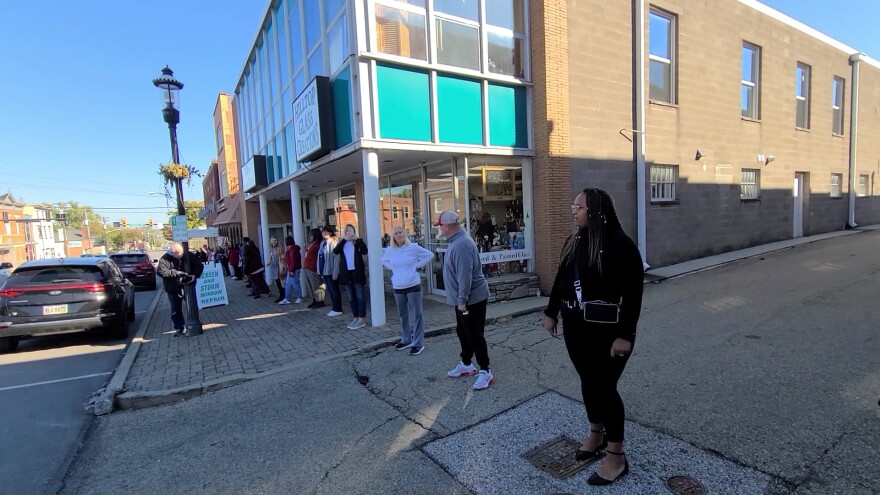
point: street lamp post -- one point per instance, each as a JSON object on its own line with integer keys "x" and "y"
{"x": 170, "y": 88}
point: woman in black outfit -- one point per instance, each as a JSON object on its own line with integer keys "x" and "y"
{"x": 606, "y": 264}
{"x": 253, "y": 268}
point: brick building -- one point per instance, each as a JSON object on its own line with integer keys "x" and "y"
{"x": 735, "y": 126}
{"x": 13, "y": 233}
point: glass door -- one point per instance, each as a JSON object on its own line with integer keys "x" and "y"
{"x": 437, "y": 202}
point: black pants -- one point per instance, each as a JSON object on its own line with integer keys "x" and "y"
{"x": 225, "y": 264}
{"x": 177, "y": 317}
{"x": 471, "y": 334}
{"x": 237, "y": 272}
{"x": 589, "y": 347}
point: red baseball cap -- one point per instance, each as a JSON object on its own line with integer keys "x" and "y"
{"x": 448, "y": 217}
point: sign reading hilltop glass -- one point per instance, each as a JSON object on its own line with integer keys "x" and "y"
{"x": 313, "y": 120}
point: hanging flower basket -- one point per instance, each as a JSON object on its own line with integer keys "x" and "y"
{"x": 171, "y": 172}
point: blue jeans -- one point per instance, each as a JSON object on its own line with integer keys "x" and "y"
{"x": 292, "y": 286}
{"x": 412, "y": 323}
{"x": 335, "y": 294}
{"x": 176, "y": 310}
{"x": 358, "y": 303}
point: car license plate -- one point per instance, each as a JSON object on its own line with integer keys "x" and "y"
{"x": 128, "y": 269}
{"x": 57, "y": 309}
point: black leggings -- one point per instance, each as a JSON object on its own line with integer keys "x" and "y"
{"x": 589, "y": 347}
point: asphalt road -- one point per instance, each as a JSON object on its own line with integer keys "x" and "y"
{"x": 43, "y": 388}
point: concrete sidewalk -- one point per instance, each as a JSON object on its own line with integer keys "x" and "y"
{"x": 248, "y": 338}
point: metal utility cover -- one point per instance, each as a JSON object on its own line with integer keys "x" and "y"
{"x": 556, "y": 458}
{"x": 685, "y": 485}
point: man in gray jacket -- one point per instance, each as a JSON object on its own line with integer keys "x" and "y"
{"x": 468, "y": 291}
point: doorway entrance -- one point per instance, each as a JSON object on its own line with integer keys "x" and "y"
{"x": 438, "y": 201}
{"x": 798, "y": 195}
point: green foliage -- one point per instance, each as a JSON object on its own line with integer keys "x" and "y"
{"x": 192, "y": 214}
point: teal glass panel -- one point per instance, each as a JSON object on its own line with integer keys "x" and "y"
{"x": 341, "y": 91}
{"x": 460, "y": 110}
{"x": 404, "y": 103}
{"x": 507, "y": 116}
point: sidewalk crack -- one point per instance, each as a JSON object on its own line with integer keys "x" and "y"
{"x": 346, "y": 454}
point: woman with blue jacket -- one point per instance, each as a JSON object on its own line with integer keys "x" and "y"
{"x": 403, "y": 258}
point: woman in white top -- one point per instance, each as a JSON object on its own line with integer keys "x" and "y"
{"x": 403, "y": 258}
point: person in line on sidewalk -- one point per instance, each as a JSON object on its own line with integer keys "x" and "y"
{"x": 403, "y": 258}
{"x": 234, "y": 262}
{"x": 293, "y": 262}
{"x": 312, "y": 283}
{"x": 243, "y": 249}
{"x": 468, "y": 291}
{"x": 275, "y": 266}
{"x": 222, "y": 254}
{"x": 254, "y": 269}
{"x": 353, "y": 274}
{"x": 170, "y": 268}
{"x": 329, "y": 268}
{"x": 600, "y": 266}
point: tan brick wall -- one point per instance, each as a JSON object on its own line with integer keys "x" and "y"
{"x": 551, "y": 133}
{"x": 868, "y": 154}
{"x": 709, "y": 216}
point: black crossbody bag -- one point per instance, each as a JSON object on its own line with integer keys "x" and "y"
{"x": 595, "y": 311}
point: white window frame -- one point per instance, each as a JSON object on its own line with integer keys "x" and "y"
{"x": 836, "y": 190}
{"x": 430, "y": 55}
{"x": 663, "y": 181}
{"x": 862, "y": 189}
{"x": 671, "y": 61}
{"x": 750, "y": 184}
{"x": 805, "y": 87}
{"x": 838, "y": 105}
{"x": 756, "y": 75}
{"x": 482, "y": 58}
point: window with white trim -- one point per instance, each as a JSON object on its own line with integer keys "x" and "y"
{"x": 750, "y": 184}
{"x": 751, "y": 71}
{"x": 836, "y": 183}
{"x": 661, "y": 55}
{"x": 663, "y": 179}
{"x": 802, "y": 96}
{"x": 401, "y": 29}
{"x": 862, "y": 190}
{"x": 505, "y": 37}
{"x": 838, "y": 90}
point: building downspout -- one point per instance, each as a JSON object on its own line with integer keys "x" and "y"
{"x": 639, "y": 124}
{"x": 854, "y": 59}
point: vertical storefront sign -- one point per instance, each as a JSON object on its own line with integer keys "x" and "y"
{"x": 314, "y": 133}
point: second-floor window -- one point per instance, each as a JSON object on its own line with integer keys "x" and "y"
{"x": 751, "y": 68}
{"x": 661, "y": 48}
{"x": 802, "y": 96}
{"x": 838, "y": 90}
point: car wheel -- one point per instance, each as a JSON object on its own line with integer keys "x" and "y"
{"x": 8, "y": 344}
{"x": 119, "y": 331}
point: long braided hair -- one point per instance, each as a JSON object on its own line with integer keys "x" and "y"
{"x": 601, "y": 217}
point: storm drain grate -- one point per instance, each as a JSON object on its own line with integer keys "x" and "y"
{"x": 556, "y": 458}
{"x": 685, "y": 485}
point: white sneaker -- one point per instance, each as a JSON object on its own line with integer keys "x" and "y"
{"x": 484, "y": 379}
{"x": 352, "y": 324}
{"x": 358, "y": 323}
{"x": 462, "y": 370}
{"x": 334, "y": 313}
{"x": 298, "y": 300}
{"x": 284, "y": 301}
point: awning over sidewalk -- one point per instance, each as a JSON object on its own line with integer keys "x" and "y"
{"x": 229, "y": 215}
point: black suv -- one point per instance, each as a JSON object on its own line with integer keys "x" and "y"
{"x": 137, "y": 268}
{"x": 55, "y": 296}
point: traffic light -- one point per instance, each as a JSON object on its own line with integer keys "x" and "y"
{"x": 150, "y": 223}
{"x": 122, "y": 223}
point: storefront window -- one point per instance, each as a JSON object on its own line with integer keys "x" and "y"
{"x": 400, "y": 205}
{"x": 401, "y": 32}
{"x": 497, "y": 217}
{"x": 346, "y": 210}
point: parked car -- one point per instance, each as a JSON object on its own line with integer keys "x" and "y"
{"x": 54, "y": 296}
{"x": 137, "y": 267}
{"x": 5, "y": 271}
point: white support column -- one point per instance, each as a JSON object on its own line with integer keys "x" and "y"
{"x": 264, "y": 235}
{"x": 373, "y": 234}
{"x": 299, "y": 235}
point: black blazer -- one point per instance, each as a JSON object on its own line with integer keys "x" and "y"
{"x": 359, "y": 275}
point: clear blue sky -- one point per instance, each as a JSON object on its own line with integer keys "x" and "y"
{"x": 82, "y": 121}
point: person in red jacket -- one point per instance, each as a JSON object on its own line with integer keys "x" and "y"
{"x": 293, "y": 262}
{"x": 234, "y": 261}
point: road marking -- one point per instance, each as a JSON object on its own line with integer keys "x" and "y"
{"x": 56, "y": 381}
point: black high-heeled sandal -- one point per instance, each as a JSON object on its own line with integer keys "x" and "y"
{"x": 597, "y": 480}
{"x": 592, "y": 455}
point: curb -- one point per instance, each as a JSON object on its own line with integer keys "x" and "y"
{"x": 106, "y": 399}
{"x": 143, "y": 400}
